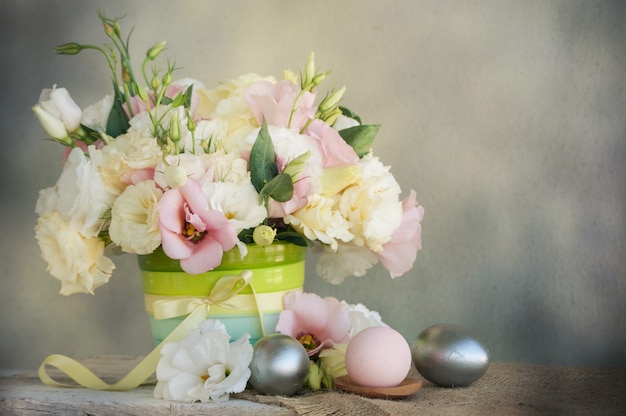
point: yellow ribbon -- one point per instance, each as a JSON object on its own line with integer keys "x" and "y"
{"x": 196, "y": 309}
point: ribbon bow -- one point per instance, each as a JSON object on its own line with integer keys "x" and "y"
{"x": 196, "y": 308}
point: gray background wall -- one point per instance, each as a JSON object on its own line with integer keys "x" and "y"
{"x": 506, "y": 117}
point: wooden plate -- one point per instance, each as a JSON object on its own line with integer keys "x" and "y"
{"x": 408, "y": 387}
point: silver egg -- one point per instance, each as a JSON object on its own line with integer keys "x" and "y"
{"x": 279, "y": 366}
{"x": 449, "y": 356}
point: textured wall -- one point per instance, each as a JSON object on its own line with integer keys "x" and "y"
{"x": 506, "y": 117}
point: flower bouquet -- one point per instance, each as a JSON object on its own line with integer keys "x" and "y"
{"x": 165, "y": 163}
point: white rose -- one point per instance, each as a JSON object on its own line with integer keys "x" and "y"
{"x": 134, "y": 219}
{"x": 78, "y": 262}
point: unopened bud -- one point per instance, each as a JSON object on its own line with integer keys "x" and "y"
{"x": 154, "y": 51}
{"x": 191, "y": 125}
{"x": 331, "y": 100}
{"x": 155, "y": 83}
{"x": 309, "y": 70}
{"x": 167, "y": 79}
{"x": 71, "y": 48}
{"x": 174, "y": 128}
{"x": 263, "y": 235}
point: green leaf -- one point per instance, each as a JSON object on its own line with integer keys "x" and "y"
{"x": 245, "y": 236}
{"x": 360, "y": 137}
{"x": 262, "y": 162}
{"x": 279, "y": 188}
{"x": 182, "y": 98}
{"x": 117, "y": 123}
{"x": 92, "y": 135}
{"x": 348, "y": 113}
{"x": 295, "y": 238}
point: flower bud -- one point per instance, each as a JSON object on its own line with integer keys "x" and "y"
{"x": 167, "y": 78}
{"x": 314, "y": 378}
{"x": 309, "y": 71}
{"x": 331, "y": 100}
{"x": 263, "y": 235}
{"x": 71, "y": 48}
{"x": 154, "y": 51}
{"x": 52, "y": 125}
{"x": 174, "y": 128}
{"x": 191, "y": 125}
{"x": 155, "y": 83}
{"x": 175, "y": 176}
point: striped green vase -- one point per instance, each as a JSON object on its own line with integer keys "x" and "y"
{"x": 276, "y": 270}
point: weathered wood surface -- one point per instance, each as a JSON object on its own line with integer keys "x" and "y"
{"x": 25, "y": 394}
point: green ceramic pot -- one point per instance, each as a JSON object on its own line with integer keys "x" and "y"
{"x": 276, "y": 270}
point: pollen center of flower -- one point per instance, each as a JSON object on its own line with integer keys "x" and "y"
{"x": 309, "y": 342}
{"x": 192, "y": 233}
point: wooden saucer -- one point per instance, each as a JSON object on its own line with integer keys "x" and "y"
{"x": 408, "y": 387}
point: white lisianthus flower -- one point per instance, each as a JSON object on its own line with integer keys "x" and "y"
{"x": 128, "y": 159}
{"x": 58, "y": 114}
{"x": 238, "y": 201}
{"x": 78, "y": 262}
{"x": 204, "y": 366}
{"x": 229, "y": 167}
{"x": 344, "y": 122}
{"x": 320, "y": 220}
{"x": 81, "y": 198}
{"x": 335, "y": 265}
{"x": 96, "y": 115}
{"x": 361, "y": 318}
{"x": 372, "y": 207}
{"x": 134, "y": 219}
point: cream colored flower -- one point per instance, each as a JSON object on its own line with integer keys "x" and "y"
{"x": 204, "y": 366}
{"x": 372, "y": 207}
{"x": 134, "y": 219}
{"x": 78, "y": 262}
{"x": 126, "y": 157}
{"x": 335, "y": 265}
{"x": 320, "y": 220}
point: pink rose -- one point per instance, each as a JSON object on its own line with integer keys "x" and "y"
{"x": 275, "y": 102}
{"x": 335, "y": 151}
{"x": 192, "y": 232}
{"x": 398, "y": 255}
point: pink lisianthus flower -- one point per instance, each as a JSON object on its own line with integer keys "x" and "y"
{"x": 398, "y": 255}
{"x": 192, "y": 232}
{"x": 335, "y": 151}
{"x": 274, "y": 104}
{"x": 314, "y": 321}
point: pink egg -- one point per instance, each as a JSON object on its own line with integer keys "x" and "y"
{"x": 378, "y": 357}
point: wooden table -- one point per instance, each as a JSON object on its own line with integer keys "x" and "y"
{"x": 506, "y": 389}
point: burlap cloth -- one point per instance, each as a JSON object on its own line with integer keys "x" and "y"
{"x": 506, "y": 389}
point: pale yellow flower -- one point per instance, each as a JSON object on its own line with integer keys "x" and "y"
{"x": 134, "y": 219}
{"x": 126, "y": 156}
{"x": 320, "y": 220}
{"x": 77, "y": 262}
